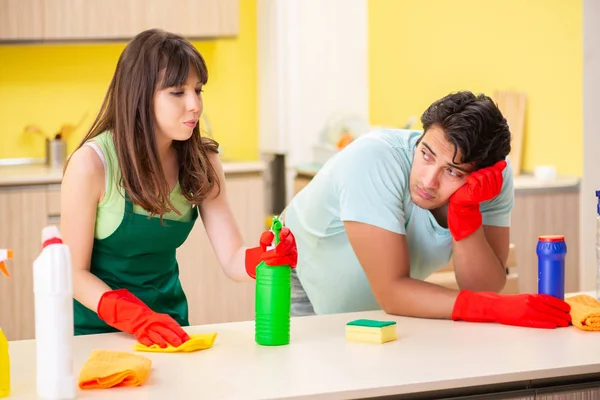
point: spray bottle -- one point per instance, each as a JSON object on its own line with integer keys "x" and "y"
{"x": 5, "y": 254}
{"x": 53, "y": 290}
{"x": 273, "y": 299}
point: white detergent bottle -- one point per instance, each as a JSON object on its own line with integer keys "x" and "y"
{"x": 53, "y": 290}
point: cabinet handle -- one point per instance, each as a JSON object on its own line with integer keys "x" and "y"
{"x": 53, "y": 219}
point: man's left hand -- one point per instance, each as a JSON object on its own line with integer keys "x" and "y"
{"x": 464, "y": 217}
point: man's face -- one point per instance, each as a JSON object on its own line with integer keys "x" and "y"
{"x": 434, "y": 177}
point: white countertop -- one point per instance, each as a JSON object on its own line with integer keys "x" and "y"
{"x": 36, "y": 174}
{"x": 320, "y": 364}
{"x": 531, "y": 182}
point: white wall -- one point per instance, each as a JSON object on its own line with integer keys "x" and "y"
{"x": 312, "y": 62}
{"x": 591, "y": 142}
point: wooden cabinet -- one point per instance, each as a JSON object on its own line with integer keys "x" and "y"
{"x": 577, "y": 391}
{"x": 23, "y": 214}
{"x": 48, "y": 20}
{"x": 107, "y": 19}
{"x": 575, "y": 394}
{"x": 21, "y": 19}
{"x": 193, "y": 18}
{"x": 53, "y": 204}
{"x": 212, "y": 297}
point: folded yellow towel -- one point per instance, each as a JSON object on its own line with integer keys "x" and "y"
{"x": 106, "y": 369}
{"x": 196, "y": 342}
{"x": 585, "y": 312}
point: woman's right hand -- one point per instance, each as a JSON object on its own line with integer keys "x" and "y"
{"x": 121, "y": 309}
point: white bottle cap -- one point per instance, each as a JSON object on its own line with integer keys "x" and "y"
{"x": 50, "y": 232}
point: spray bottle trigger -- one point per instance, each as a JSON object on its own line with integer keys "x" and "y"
{"x": 3, "y": 269}
{"x": 272, "y": 245}
{"x": 5, "y": 254}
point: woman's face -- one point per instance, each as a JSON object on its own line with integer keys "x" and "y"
{"x": 178, "y": 109}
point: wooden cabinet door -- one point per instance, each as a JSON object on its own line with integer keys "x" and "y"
{"x": 212, "y": 296}
{"x": 23, "y": 215}
{"x": 194, "y": 18}
{"x": 116, "y": 19}
{"x": 229, "y": 17}
{"x": 106, "y": 19}
{"x": 583, "y": 393}
{"x": 21, "y": 19}
{"x": 190, "y": 18}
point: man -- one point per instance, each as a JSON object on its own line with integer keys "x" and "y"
{"x": 396, "y": 205}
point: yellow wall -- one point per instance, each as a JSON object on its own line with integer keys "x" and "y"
{"x": 50, "y": 85}
{"x": 422, "y": 50}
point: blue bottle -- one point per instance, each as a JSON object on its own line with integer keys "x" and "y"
{"x": 551, "y": 251}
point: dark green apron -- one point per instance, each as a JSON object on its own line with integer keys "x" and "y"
{"x": 140, "y": 256}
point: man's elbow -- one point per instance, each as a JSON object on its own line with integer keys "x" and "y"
{"x": 500, "y": 284}
{"x": 496, "y": 286}
{"x": 389, "y": 298}
{"x": 493, "y": 284}
{"x": 389, "y": 307}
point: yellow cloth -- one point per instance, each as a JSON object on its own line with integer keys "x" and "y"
{"x": 585, "y": 312}
{"x": 196, "y": 342}
{"x": 105, "y": 369}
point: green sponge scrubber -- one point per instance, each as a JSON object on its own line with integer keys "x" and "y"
{"x": 371, "y": 331}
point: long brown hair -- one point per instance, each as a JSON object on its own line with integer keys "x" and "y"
{"x": 154, "y": 59}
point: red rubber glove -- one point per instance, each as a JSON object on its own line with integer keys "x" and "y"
{"x": 285, "y": 253}
{"x": 529, "y": 310}
{"x": 464, "y": 216}
{"x": 124, "y": 311}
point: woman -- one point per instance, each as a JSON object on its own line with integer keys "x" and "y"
{"x": 133, "y": 190}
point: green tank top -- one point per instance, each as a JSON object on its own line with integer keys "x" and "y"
{"x": 109, "y": 212}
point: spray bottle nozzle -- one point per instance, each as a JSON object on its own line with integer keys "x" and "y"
{"x": 51, "y": 235}
{"x": 276, "y": 228}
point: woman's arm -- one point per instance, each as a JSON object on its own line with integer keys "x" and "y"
{"x": 222, "y": 229}
{"x": 81, "y": 190}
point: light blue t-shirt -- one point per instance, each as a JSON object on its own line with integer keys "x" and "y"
{"x": 368, "y": 182}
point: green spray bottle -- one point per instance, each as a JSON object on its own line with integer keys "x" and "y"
{"x": 273, "y": 299}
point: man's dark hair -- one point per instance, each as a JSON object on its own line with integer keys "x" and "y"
{"x": 474, "y": 124}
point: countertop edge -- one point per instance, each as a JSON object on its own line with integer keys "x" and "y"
{"x": 41, "y": 175}
{"x": 244, "y": 167}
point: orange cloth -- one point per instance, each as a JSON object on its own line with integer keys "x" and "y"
{"x": 585, "y": 312}
{"x": 196, "y": 342}
{"x": 106, "y": 369}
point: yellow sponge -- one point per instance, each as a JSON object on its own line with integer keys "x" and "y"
{"x": 371, "y": 331}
